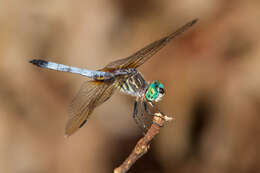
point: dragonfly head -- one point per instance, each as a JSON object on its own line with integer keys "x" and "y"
{"x": 155, "y": 91}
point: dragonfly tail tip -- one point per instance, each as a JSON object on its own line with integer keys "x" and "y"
{"x": 38, "y": 62}
{"x": 194, "y": 21}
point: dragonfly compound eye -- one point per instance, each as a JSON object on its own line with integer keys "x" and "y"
{"x": 161, "y": 90}
{"x": 154, "y": 91}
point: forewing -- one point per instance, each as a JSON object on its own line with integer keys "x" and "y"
{"x": 90, "y": 95}
{"x": 147, "y": 52}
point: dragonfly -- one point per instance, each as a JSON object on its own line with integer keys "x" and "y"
{"x": 120, "y": 75}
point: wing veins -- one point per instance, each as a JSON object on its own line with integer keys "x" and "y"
{"x": 94, "y": 97}
{"x": 138, "y": 58}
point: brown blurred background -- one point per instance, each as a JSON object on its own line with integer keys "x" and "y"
{"x": 211, "y": 75}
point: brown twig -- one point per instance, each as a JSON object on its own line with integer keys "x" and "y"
{"x": 143, "y": 144}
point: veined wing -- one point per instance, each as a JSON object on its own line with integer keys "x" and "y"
{"x": 142, "y": 118}
{"x": 147, "y": 52}
{"x": 90, "y": 95}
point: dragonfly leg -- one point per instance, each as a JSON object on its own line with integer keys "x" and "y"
{"x": 147, "y": 109}
{"x": 142, "y": 109}
{"x": 135, "y": 112}
{"x": 158, "y": 113}
{"x": 161, "y": 114}
{"x": 157, "y": 109}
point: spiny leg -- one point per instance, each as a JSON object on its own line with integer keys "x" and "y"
{"x": 142, "y": 109}
{"x": 156, "y": 108}
{"x": 161, "y": 114}
{"x": 147, "y": 110}
{"x": 135, "y": 112}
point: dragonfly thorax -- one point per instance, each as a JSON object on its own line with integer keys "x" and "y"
{"x": 134, "y": 85}
{"x": 155, "y": 91}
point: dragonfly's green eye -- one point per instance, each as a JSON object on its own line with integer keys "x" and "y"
{"x": 155, "y": 91}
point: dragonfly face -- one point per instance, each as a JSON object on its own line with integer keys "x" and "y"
{"x": 121, "y": 74}
{"x": 155, "y": 92}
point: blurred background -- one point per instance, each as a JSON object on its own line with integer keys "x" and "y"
{"x": 211, "y": 75}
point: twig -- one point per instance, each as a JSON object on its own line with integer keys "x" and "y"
{"x": 143, "y": 144}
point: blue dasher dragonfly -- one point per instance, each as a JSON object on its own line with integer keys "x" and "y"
{"x": 120, "y": 74}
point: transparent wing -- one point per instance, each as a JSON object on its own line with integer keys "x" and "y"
{"x": 147, "y": 52}
{"x": 90, "y": 95}
{"x": 143, "y": 117}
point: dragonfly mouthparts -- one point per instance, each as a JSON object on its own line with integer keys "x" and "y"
{"x": 39, "y": 62}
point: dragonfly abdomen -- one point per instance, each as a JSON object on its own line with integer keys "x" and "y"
{"x": 97, "y": 75}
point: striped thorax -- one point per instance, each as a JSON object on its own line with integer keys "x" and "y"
{"x": 134, "y": 85}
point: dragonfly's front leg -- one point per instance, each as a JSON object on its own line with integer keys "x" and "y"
{"x": 157, "y": 113}
{"x": 147, "y": 110}
{"x": 135, "y": 112}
